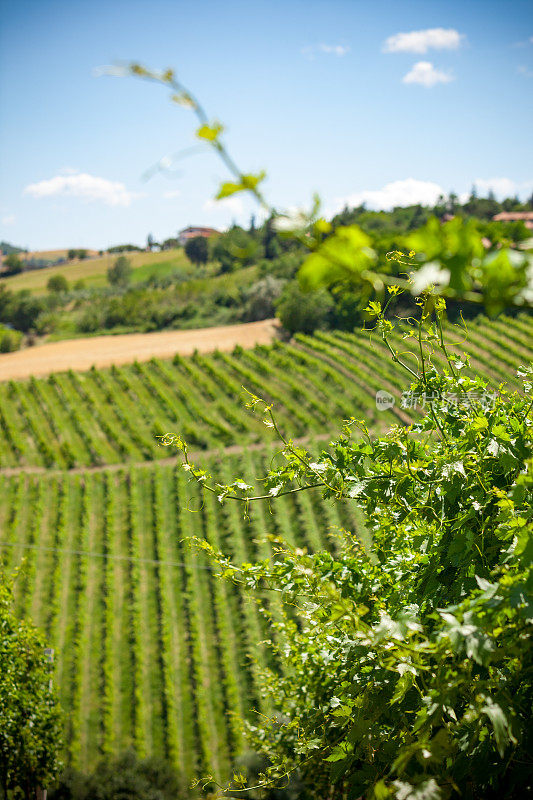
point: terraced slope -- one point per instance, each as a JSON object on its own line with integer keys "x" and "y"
{"x": 112, "y": 416}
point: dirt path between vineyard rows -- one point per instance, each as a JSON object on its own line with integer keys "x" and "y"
{"x": 103, "y": 351}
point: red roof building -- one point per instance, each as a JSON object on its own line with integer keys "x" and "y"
{"x": 193, "y": 232}
{"x": 515, "y": 216}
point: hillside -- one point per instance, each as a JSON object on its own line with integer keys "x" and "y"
{"x": 114, "y": 415}
{"x": 102, "y": 351}
{"x": 93, "y": 270}
{"x": 152, "y": 652}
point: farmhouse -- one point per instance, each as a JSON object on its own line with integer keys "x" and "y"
{"x": 515, "y": 216}
{"x": 192, "y": 232}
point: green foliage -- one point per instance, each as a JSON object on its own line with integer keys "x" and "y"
{"x": 261, "y": 298}
{"x": 30, "y": 721}
{"x": 126, "y": 248}
{"x": 197, "y": 250}
{"x": 74, "y": 253}
{"x": 449, "y": 257}
{"x": 407, "y": 673}
{"x": 345, "y": 256}
{"x": 246, "y": 183}
{"x": 120, "y": 273}
{"x": 14, "y": 264}
{"x": 303, "y": 312}
{"x": 57, "y": 284}
{"x": 233, "y": 249}
{"x": 119, "y": 777}
{"x": 10, "y": 340}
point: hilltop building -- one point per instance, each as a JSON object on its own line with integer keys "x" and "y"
{"x": 192, "y": 232}
{"x": 515, "y": 216}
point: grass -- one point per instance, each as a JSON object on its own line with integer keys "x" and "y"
{"x": 93, "y": 270}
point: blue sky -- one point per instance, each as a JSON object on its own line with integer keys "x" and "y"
{"x": 323, "y": 95}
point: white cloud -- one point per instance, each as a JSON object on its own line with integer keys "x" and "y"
{"x": 503, "y": 187}
{"x": 422, "y": 41}
{"x": 172, "y": 194}
{"x": 424, "y": 73}
{"x": 232, "y": 204}
{"x": 9, "y": 219}
{"x": 336, "y": 49}
{"x": 331, "y": 49}
{"x": 85, "y": 186}
{"x": 406, "y": 192}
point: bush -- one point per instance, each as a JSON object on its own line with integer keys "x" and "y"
{"x": 24, "y": 310}
{"x": 125, "y": 776}
{"x": 120, "y": 273}
{"x": 57, "y": 283}
{"x": 30, "y": 719}
{"x": 14, "y": 264}
{"x": 261, "y": 297}
{"x": 286, "y": 266}
{"x": 10, "y": 340}
{"x": 303, "y": 312}
{"x": 91, "y": 320}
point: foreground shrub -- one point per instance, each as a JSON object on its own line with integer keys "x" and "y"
{"x": 125, "y": 776}
{"x": 30, "y": 721}
{"x": 408, "y": 672}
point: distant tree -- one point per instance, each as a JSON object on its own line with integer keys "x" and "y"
{"x": 82, "y": 254}
{"x": 120, "y": 273}
{"x": 14, "y": 264}
{"x": 72, "y": 254}
{"x": 57, "y": 283}
{"x": 124, "y": 248}
{"x": 270, "y": 240}
{"x": 452, "y": 202}
{"x": 30, "y": 719}
{"x": 167, "y": 244}
{"x": 303, "y": 312}
{"x": 197, "y": 250}
{"x": 149, "y": 241}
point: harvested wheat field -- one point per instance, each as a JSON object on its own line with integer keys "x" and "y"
{"x": 103, "y": 351}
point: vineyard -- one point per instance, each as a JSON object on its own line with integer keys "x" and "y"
{"x": 112, "y": 416}
{"x": 135, "y": 615}
{"x": 152, "y": 650}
